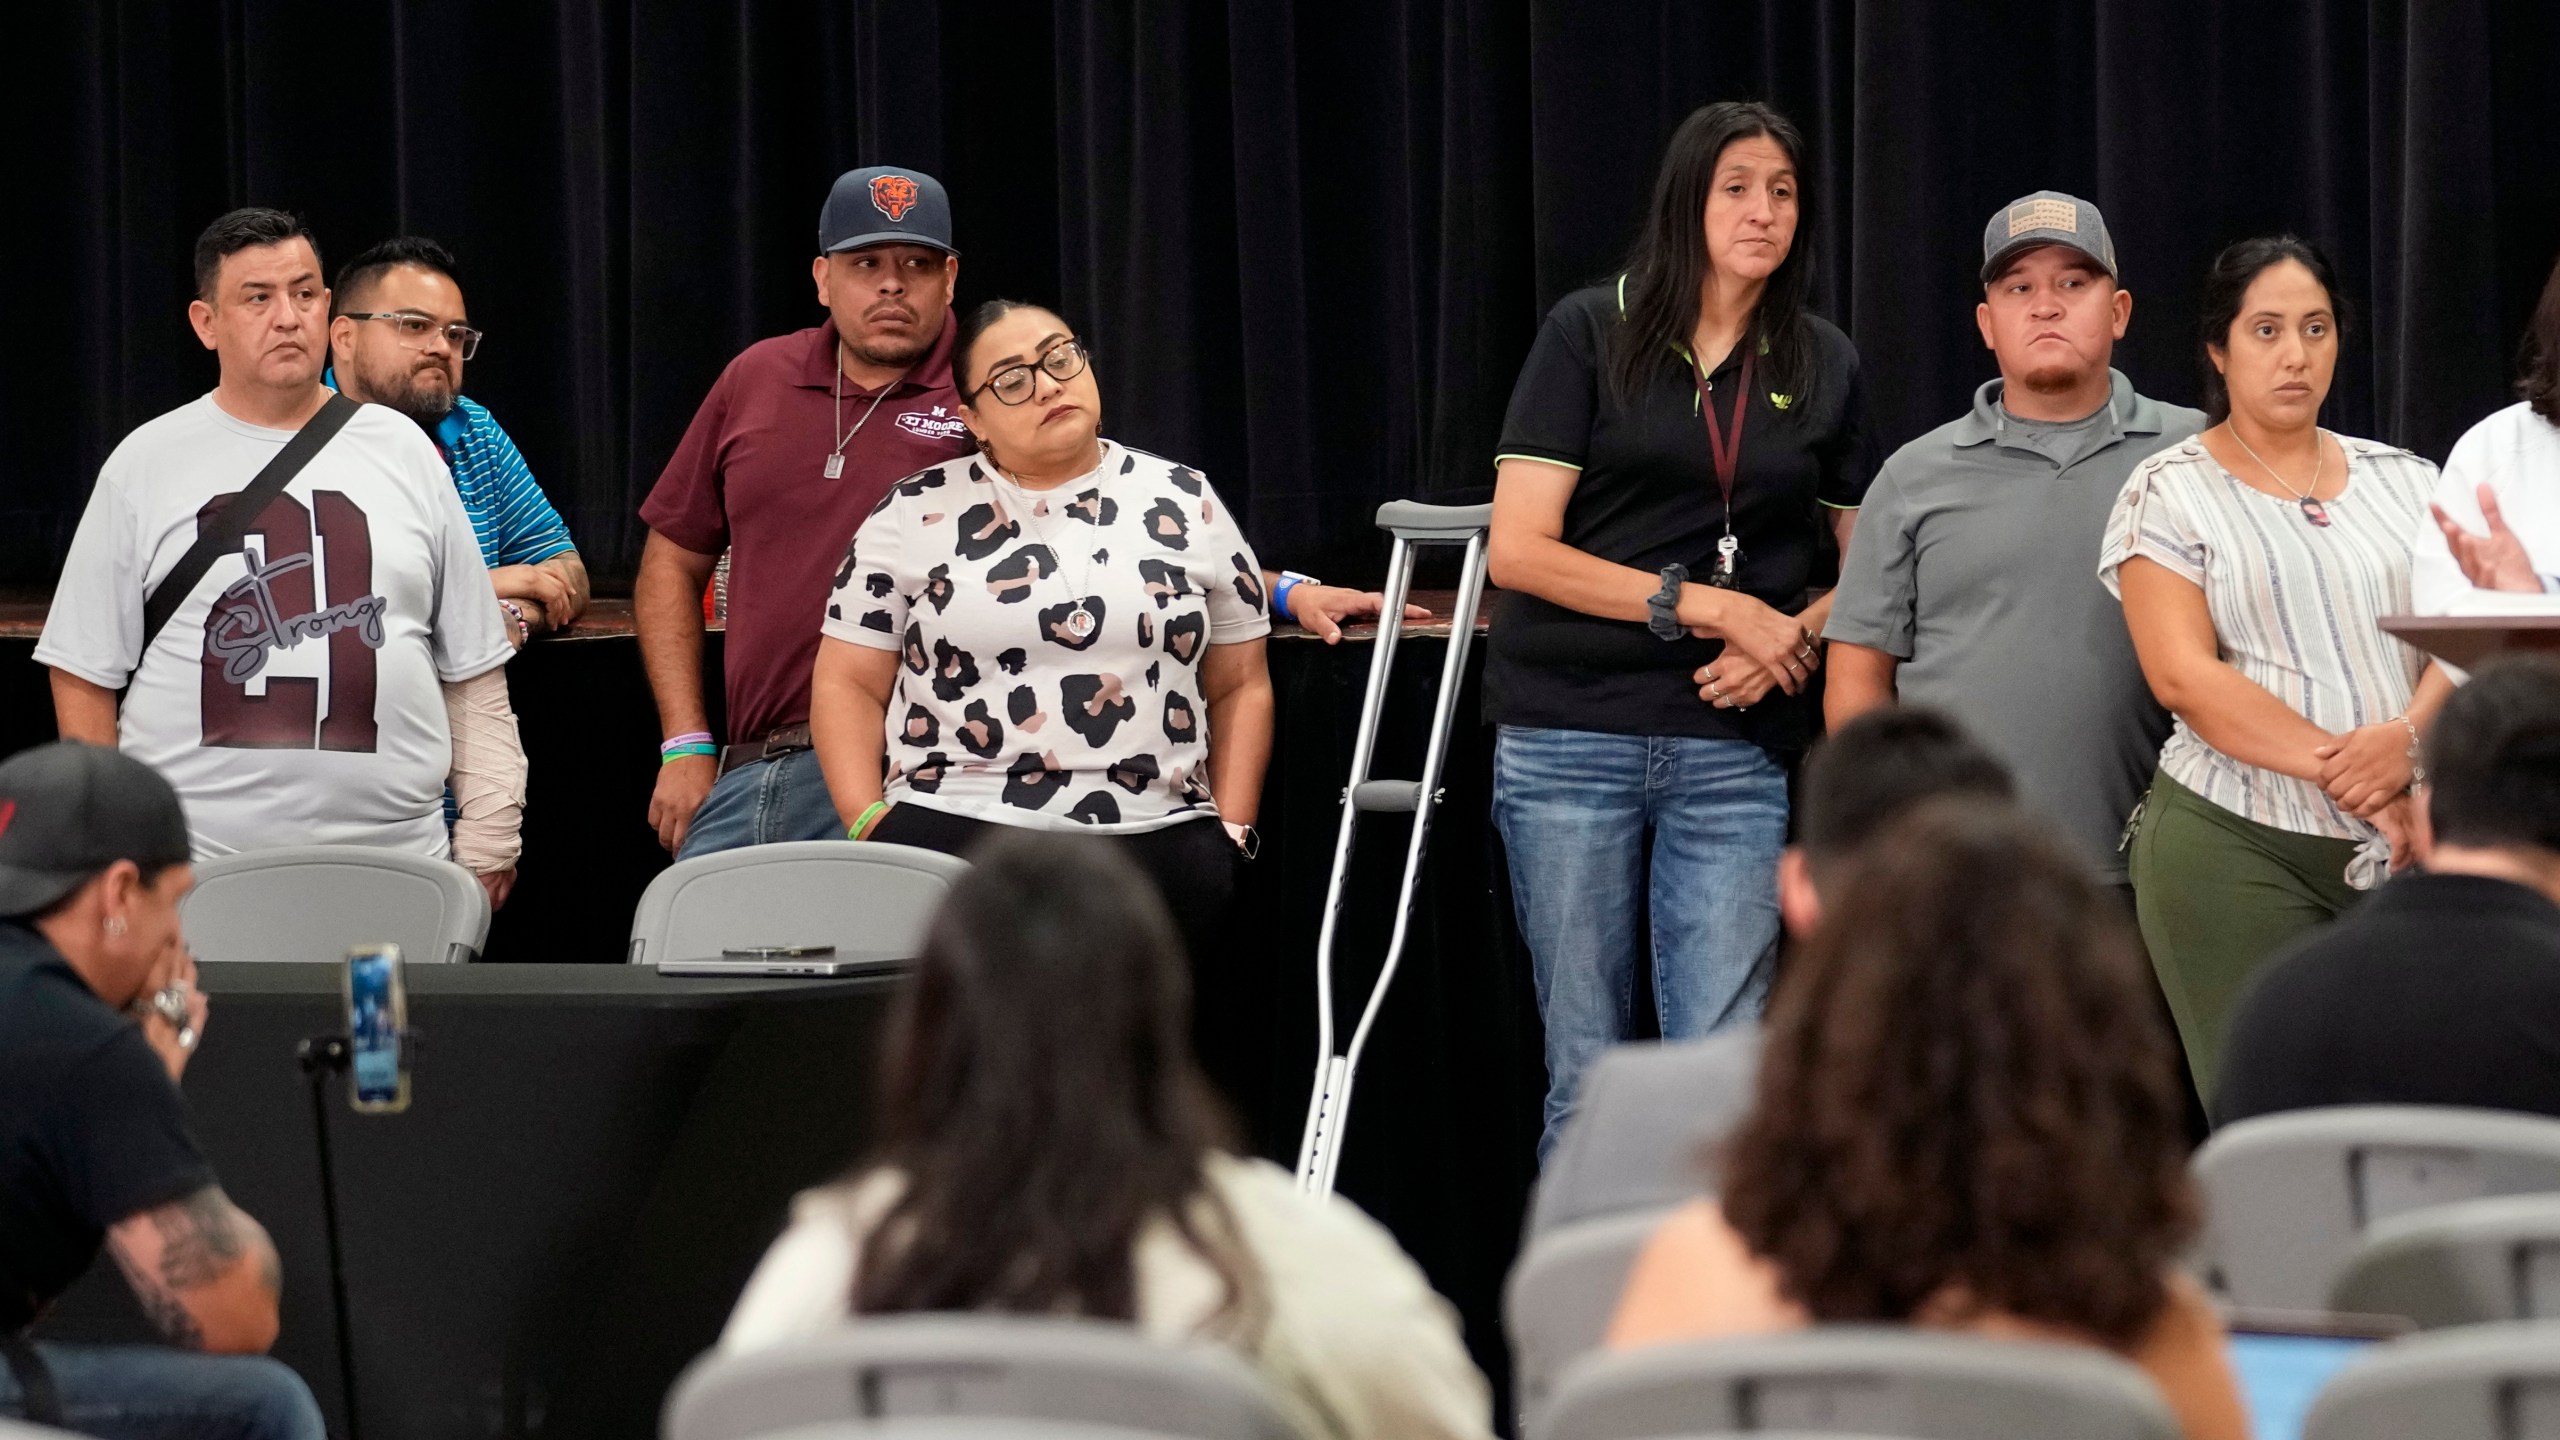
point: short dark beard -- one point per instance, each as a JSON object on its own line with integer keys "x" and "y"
{"x": 405, "y": 396}
{"x": 2052, "y": 379}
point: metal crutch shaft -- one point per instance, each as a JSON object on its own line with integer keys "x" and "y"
{"x": 1408, "y": 524}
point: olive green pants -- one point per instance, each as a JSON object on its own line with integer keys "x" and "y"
{"x": 2217, "y": 895}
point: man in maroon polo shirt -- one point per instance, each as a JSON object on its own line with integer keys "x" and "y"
{"x": 795, "y": 444}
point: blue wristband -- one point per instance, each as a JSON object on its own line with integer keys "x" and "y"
{"x": 1280, "y": 597}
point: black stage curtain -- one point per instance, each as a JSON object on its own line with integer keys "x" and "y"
{"x": 1309, "y": 243}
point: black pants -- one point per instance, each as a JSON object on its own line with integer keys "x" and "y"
{"x": 1192, "y": 862}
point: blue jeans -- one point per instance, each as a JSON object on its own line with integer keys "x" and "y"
{"x": 1573, "y": 807}
{"x": 784, "y": 799}
{"x": 149, "y": 1392}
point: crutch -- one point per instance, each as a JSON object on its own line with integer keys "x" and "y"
{"x": 1410, "y": 523}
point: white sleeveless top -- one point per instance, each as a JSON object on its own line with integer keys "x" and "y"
{"x": 2297, "y": 609}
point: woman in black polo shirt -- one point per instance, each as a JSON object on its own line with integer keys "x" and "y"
{"x": 1676, "y": 442}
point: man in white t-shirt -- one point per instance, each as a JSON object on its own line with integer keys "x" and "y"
{"x": 322, "y": 685}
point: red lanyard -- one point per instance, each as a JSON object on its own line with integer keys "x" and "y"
{"x": 1726, "y": 456}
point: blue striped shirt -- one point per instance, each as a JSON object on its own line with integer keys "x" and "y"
{"x": 509, "y": 514}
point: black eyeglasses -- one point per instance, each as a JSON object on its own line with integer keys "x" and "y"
{"x": 414, "y": 330}
{"x": 1013, "y": 384}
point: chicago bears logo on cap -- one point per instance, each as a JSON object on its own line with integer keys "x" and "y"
{"x": 893, "y": 196}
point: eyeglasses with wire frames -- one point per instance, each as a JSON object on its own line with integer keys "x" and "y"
{"x": 414, "y": 330}
{"x": 1013, "y": 384}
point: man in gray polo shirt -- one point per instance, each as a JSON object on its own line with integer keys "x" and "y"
{"x": 1969, "y": 585}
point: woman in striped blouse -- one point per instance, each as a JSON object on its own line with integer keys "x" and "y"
{"x": 2255, "y": 563}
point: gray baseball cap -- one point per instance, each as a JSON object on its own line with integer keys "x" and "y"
{"x": 68, "y": 811}
{"x": 2048, "y": 217}
{"x": 885, "y": 205}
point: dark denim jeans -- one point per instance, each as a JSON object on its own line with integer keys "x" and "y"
{"x": 1574, "y": 807}
{"x": 783, "y": 799}
{"x": 150, "y": 1392}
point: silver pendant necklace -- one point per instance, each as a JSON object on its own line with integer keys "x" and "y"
{"x": 2312, "y": 510}
{"x": 843, "y": 437}
{"x": 1079, "y": 623}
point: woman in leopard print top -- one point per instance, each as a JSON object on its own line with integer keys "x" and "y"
{"x": 1059, "y": 633}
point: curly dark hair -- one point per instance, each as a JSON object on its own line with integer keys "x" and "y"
{"x": 1966, "y": 1094}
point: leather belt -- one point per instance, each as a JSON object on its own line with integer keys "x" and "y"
{"x": 789, "y": 740}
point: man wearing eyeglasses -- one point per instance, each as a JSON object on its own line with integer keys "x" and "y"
{"x": 399, "y": 338}
{"x": 795, "y": 445}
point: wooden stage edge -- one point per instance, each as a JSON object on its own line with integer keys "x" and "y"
{"x": 609, "y": 619}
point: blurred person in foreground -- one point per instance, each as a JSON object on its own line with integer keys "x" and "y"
{"x": 2444, "y": 988}
{"x": 99, "y": 1015}
{"x": 1967, "y": 1119}
{"x": 1049, "y": 1147}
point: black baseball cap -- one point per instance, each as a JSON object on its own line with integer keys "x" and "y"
{"x": 68, "y": 811}
{"x": 885, "y": 205}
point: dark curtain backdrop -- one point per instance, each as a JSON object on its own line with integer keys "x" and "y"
{"x": 1309, "y": 243}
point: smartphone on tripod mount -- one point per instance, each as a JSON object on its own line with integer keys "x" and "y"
{"x": 377, "y": 1030}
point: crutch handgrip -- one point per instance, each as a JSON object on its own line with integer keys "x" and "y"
{"x": 1387, "y": 797}
{"x": 1413, "y": 520}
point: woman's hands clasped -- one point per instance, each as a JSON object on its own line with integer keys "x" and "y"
{"x": 1764, "y": 650}
{"x": 2367, "y": 768}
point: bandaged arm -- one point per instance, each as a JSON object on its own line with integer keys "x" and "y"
{"x": 488, "y": 773}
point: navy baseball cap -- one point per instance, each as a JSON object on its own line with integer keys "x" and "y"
{"x": 885, "y": 205}
{"x": 68, "y": 811}
{"x": 2048, "y": 217}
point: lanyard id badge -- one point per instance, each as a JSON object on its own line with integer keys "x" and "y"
{"x": 1726, "y": 454}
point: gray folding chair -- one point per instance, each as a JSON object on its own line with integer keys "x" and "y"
{"x": 1643, "y": 1118}
{"x": 316, "y": 902}
{"x": 959, "y": 1427}
{"x": 21, "y": 1430}
{"x": 869, "y": 900}
{"x": 1561, "y": 1294}
{"x": 2467, "y": 1263}
{"x": 2288, "y": 1197}
{"x": 1086, "y": 1372}
{"x": 1857, "y": 1380}
{"x": 2482, "y": 1382}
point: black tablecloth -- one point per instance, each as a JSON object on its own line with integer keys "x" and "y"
{"x": 594, "y": 1160}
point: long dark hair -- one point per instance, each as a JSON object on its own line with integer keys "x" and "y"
{"x": 2540, "y": 386}
{"x": 1041, "y": 1102}
{"x": 1669, "y": 261}
{"x": 2226, "y": 289}
{"x": 1965, "y": 1093}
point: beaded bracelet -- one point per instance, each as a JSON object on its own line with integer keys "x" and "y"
{"x": 2417, "y": 770}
